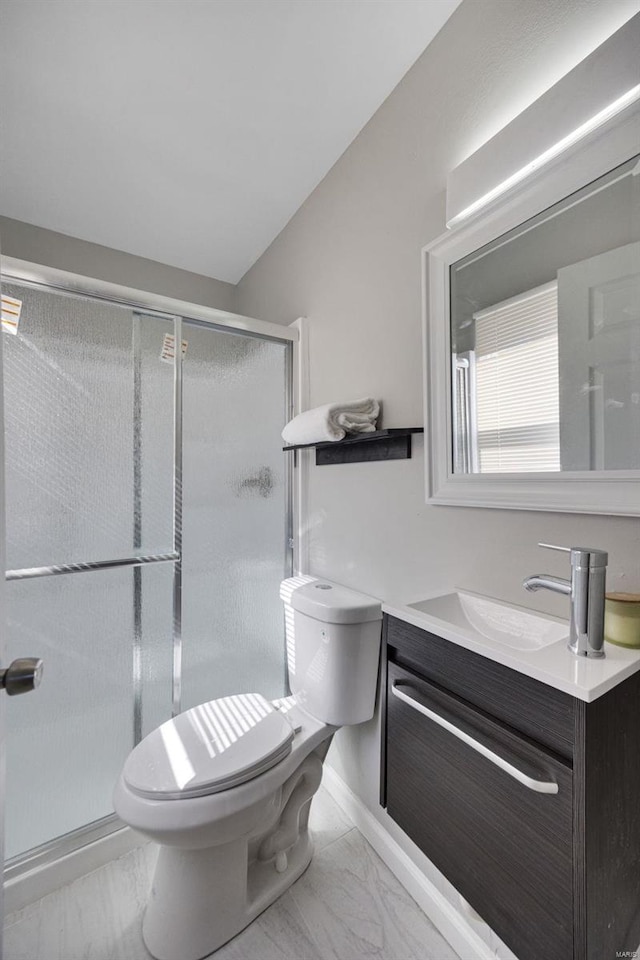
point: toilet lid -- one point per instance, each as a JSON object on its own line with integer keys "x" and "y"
{"x": 209, "y": 748}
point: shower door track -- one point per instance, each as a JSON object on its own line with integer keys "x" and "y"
{"x": 50, "y": 852}
{"x": 165, "y": 308}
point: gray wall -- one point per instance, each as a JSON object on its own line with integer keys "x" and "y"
{"x": 48, "y": 248}
{"x": 350, "y": 261}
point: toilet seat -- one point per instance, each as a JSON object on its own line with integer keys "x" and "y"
{"x": 209, "y": 748}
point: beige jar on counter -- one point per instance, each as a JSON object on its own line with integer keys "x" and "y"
{"x": 622, "y": 619}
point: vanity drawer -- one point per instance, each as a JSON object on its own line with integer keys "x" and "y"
{"x": 535, "y": 709}
{"x": 503, "y": 844}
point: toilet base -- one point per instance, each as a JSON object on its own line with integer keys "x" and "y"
{"x": 202, "y": 898}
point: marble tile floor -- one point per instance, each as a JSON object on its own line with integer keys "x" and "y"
{"x": 347, "y": 906}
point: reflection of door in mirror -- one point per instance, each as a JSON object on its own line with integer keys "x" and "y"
{"x": 599, "y": 355}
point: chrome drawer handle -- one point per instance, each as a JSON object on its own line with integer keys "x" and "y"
{"x": 540, "y": 786}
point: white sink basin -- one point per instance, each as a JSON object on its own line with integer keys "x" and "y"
{"x": 503, "y": 623}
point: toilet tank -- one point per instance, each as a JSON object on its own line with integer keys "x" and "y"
{"x": 333, "y": 649}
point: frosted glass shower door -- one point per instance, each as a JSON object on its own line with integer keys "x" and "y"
{"x": 234, "y": 515}
{"x": 147, "y": 525}
{"x": 89, "y": 480}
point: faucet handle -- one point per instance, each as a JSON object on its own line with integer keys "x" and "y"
{"x": 582, "y": 556}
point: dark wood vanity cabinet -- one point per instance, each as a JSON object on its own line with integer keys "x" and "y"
{"x": 506, "y": 848}
{"x": 526, "y": 799}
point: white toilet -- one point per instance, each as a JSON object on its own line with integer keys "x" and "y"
{"x": 225, "y": 788}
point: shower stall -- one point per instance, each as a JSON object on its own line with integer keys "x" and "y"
{"x": 148, "y": 506}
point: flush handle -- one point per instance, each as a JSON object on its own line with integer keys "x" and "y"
{"x": 22, "y": 675}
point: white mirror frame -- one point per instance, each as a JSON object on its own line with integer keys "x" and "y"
{"x": 603, "y": 492}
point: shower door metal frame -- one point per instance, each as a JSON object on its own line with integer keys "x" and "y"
{"x": 163, "y": 308}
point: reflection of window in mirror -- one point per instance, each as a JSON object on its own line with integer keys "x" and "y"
{"x": 545, "y": 338}
{"x": 509, "y": 421}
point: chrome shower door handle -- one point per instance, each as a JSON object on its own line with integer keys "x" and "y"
{"x": 22, "y": 675}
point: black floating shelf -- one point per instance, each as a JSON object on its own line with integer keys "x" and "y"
{"x": 394, "y": 444}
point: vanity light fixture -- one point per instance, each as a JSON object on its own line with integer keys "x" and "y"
{"x": 572, "y": 138}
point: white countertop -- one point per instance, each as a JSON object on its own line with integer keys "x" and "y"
{"x": 554, "y": 665}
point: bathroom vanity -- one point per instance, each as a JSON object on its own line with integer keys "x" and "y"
{"x": 523, "y": 793}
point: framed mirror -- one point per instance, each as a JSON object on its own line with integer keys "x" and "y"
{"x": 532, "y": 328}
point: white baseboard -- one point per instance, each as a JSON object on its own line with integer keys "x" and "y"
{"x": 34, "y": 884}
{"x": 450, "y": 922}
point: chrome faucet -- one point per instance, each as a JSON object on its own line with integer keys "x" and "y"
{"x": 586, "y": 590}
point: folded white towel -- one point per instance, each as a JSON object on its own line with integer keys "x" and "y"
{"x": 332, "y": 421}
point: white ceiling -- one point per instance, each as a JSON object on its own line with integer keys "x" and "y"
{"x": 190, "y": 131}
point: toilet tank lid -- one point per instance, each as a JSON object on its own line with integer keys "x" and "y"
{"x": 333, "y": 603}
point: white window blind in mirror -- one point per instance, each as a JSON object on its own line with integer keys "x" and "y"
{"x": 516, "y": 380}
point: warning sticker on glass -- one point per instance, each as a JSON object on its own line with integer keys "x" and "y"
{"x": 169, "y": 348}
{"x": 10, "y": 313}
